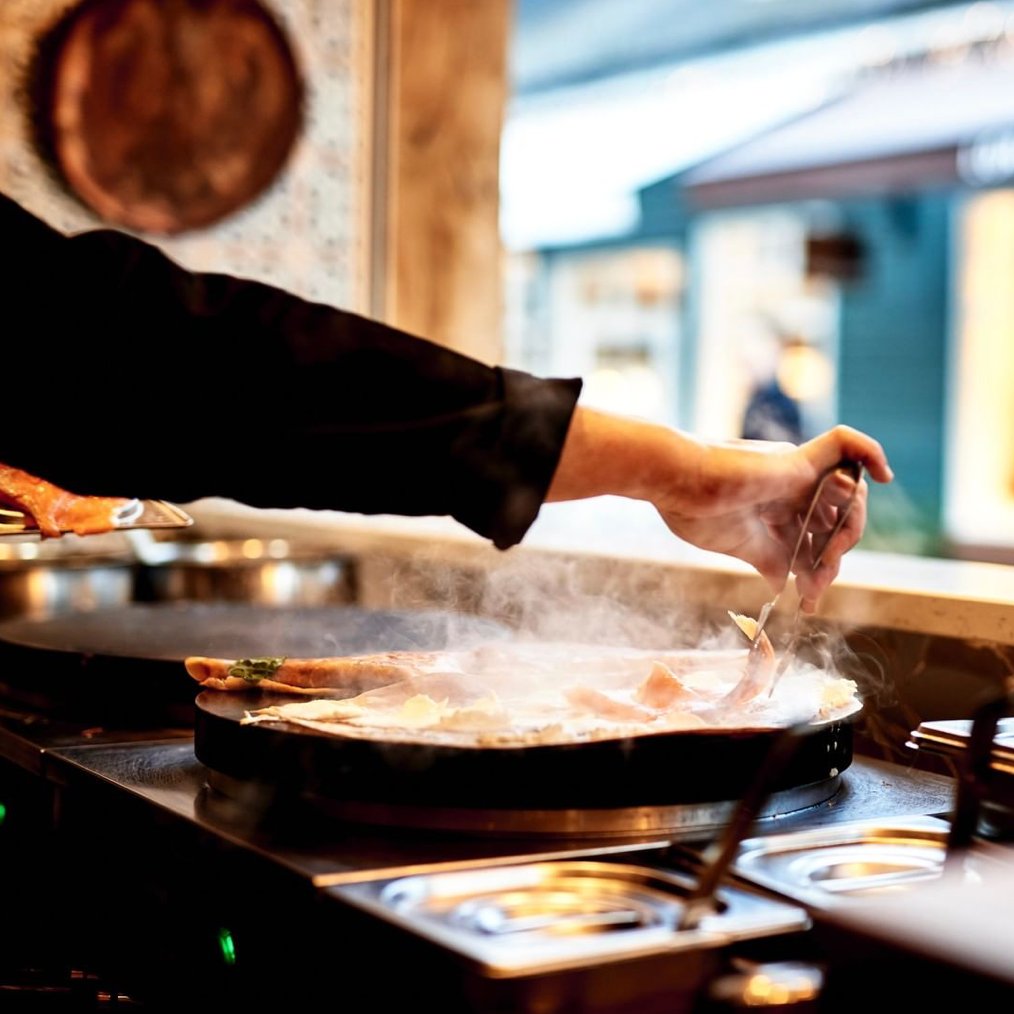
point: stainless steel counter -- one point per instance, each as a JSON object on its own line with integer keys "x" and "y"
{"x": 130, "y": 865}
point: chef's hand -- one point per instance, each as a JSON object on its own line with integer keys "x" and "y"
{"x": 743, "y": 498}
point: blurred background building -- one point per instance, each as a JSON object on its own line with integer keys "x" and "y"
{"x": 763, "y": 217}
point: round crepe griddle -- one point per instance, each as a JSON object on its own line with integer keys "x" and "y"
{"x": 668, "y": 768}
{"x": 129, "y": 659}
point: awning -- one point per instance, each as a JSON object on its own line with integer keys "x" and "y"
{"x": 936, "y": 125}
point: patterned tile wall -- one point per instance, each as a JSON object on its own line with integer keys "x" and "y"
{"x": 310, "y": 232}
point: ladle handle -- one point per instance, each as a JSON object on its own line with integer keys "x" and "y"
{"x": 700, "y": 902}
{"x": 975, "y": 772}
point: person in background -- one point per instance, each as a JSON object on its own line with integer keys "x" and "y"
{"x": 127, "y": 374}
{"x": 771, "y": 414}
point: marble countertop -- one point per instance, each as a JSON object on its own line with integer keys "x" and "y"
{"x": 962, "y": 599}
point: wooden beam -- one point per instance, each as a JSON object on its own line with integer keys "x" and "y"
{"x": 441, "y": 106}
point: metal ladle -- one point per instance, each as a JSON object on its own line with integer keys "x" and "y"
{"x": 717, "y": 859}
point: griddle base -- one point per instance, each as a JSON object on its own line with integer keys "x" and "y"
{"x": 674, "y": 822}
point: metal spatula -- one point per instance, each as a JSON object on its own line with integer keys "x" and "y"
{"x": 134, "y": 514}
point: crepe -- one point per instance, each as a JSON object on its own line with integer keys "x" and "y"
{"x": 335, "y": 676}
{"x": 526, "y": 693}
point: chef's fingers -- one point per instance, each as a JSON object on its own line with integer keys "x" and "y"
{"x": 825, "y": 515}
{"x": 813, "y": 580}
{"x": 836, "y": 487}
{"x": 787, "y": 545}
{"x": 837, "y": 494}
{"x": 846, "y": 528}
{"x": 770, "y": 552}
{"x": 837, "y": 491}
{"x": 811, "y": 585}
{"x": 843, "y": 443}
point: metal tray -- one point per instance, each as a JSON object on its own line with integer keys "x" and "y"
{"x": 533, "y": 918}
{"x": 827, "y": 867}
{"x": 952, "y": 738}
{"x": 986, "y": 797}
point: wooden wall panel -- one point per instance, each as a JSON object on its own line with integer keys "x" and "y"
{"x": 446, "y": 91}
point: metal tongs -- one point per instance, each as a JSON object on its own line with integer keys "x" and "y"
{"x": 718, "y": 857}
{"x": 855, "y": 471}
{"x": 132, "y": 515}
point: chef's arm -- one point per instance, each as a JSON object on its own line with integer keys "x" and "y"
{"x": 741, "y": 498}
{"x": 239, "y": 389}
{"x": 134, "y": 375}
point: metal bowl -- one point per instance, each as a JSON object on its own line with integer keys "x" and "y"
{"x": 274, "y": 572}
{"x": 45, "y": 578}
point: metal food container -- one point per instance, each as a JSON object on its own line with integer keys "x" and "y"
{"x": 826, "y": 867}
{"x": 272, "y": 572}
{"x": 589, "y": 934}
{"x": 70, "y": 574}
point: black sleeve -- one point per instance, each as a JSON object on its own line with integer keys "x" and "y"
{"x": 128, "y": 376}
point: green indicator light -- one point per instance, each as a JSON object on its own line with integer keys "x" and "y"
{"x": 227, "y": 946}
{"x": 3, "y": 813}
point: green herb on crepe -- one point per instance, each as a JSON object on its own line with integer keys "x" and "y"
{"x": 253, "y": 670}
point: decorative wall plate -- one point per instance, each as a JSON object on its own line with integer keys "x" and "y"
{"x": 167, "y": 115}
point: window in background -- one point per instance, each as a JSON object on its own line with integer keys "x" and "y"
{"x": 829, "y": 275}
{"x": 610, "y": 316}
{"x": 980, "y": 459}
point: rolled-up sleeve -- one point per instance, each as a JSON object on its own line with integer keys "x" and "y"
{"x": 512, "y": 461}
